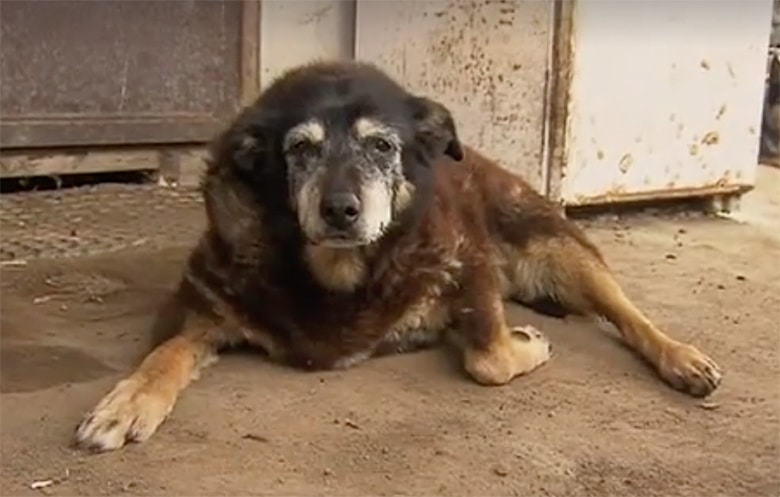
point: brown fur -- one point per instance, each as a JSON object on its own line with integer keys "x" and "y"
{"x": 483, "y": 236}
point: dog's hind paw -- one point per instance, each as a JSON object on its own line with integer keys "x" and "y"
{"x": 131, "y": 412}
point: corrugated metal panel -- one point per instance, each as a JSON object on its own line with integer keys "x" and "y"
{"x": 296, "y": 32}
{"x": 665, "y": 98}
{"x": 485, "y": 60}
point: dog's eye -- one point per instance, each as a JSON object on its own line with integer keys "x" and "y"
{"x": 381, "y": 145}
{"x": 304, "y": 148}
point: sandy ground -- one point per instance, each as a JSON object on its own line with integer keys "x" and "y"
{"x": 593, "y": 422}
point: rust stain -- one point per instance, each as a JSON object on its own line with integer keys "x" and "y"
{"x": 731, "y": 70}
{"x": 316, "y": 16}
{"x": 462, "y": 65}
{"x": 711, "y": 138}
{"x": 625, "y": 163}
{"x": 705, "y": 65}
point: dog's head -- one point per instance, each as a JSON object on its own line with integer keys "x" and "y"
{"x": 343, "y": 146}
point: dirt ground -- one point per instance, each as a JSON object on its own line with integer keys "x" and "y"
{"x": 593, "y": 422}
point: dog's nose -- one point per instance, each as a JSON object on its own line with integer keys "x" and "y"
{"x": 340, "y": 210}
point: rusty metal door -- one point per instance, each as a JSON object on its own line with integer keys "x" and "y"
{"x": 678, "y": 115}
{"x": 118, "y": 72}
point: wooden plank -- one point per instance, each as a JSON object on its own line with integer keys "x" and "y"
{"x": 177, "y": 165}
{"x": 250, "y": 51}
{"x": 62, "y": 163}
{"x": 62, "y": 131}
{"x": 559, "y": 80}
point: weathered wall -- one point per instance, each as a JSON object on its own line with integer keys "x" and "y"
{"x": 485, "y": 60}
{"x": 295, "y": 32}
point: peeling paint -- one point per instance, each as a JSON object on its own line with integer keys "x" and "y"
{"x": 625, "y": 163}
{"x": 711, "y": 138}
{"x": 730, "y": 69}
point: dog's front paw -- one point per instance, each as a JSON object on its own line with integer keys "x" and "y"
{"x": 131, "y": 412}
{"x": 687, "y": 369}
{"x": 518, "y": 352}
{"x": 532, "y": 348}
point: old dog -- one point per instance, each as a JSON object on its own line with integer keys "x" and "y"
{"x": 345, "y": 220}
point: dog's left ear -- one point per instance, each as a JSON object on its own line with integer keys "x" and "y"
{"x": 435, "y": 129}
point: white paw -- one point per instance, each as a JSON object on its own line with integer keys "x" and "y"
{"x": 131, "y": 412}
{"x": 531, "y": 348}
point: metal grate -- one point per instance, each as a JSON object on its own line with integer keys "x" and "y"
{"x": 96, "y": 219}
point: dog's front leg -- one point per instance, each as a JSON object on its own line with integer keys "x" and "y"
{"x": 494, "y": 353}
{"x": 138, "y": 404}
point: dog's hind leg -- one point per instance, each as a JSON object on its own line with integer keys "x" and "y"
{"x": 138, "y": 404}
{"x": 568, "y": 269}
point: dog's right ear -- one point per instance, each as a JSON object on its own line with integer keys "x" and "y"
{"x": 242, "y": 145}
{"x": 247, "y": 148}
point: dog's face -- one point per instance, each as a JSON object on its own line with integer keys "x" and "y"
{"x": 350, "y": 144}
{"x": 345, "y": 177}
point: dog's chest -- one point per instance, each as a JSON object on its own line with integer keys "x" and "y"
{"x": 419, "y": 325}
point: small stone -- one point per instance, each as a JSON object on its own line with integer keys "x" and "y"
{"x": 501, "y": 470}
{"x": 741, "y": 277}
{"x": 710, "y": 406}
{"x": 671, "y": 256}
{"x": 255, "y": 437}
{"x": 327, "y": 472}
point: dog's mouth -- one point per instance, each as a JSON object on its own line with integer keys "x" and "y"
{"x": 338, "y": 239}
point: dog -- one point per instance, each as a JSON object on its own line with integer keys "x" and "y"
{"x": 347, "y": 220}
